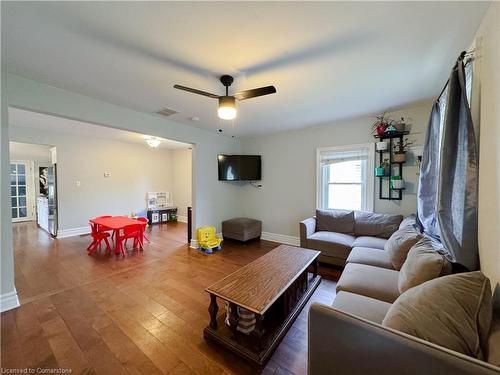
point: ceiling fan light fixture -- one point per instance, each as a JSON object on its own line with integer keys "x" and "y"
{"x": 227, "y": 108}
{"x": 153, "y": 142}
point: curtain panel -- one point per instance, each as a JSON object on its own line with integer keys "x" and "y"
{"x": 448, "y": 182}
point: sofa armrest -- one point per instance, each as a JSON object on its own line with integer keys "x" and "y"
{"x": 340, "y": 343}
{"x": 307, "y": 227}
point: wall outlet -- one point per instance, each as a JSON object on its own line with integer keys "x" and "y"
{"x": 78, "y": 183}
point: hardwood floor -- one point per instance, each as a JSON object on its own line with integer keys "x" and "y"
{"x": 142, "y": 314}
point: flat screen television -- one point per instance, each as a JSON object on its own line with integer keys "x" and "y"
{"x": 239, "y": 167}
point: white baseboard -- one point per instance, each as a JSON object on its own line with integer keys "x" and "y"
{"x": 281, "y": 238}
{"x": 193, "y": 244}
{"x": 62, "y": 233}
{"x": 182, "y": 218}
{"x": 9, "y": 301}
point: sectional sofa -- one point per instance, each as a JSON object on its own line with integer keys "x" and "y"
{"x": 399, "y": 309}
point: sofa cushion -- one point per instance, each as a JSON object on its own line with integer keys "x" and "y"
{"x": 422, "y": 264}
{"x": 400, "y": 243}
{"x": 332, "y": 244}
{"x": 364, "y": 307}
{"x": 452, "y": 311}
{"x": 493, "y": 345}
{"x": 369, "y": 281}
{"x": 372, "y": 242}
{"x": 375, "y": 225}
{"x": 409, "y": 221}
{"x": 370, "y": 257}
{"x": 340, "y": 221}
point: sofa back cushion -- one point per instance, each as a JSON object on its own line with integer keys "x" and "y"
{"x": 399, "y": 244}
{"x": 452, "y": 311}
{"x": 423, "y": 263}
{"x": 375, "y": 225}
{"x": 341, "y": 221}
{"x": 408, "y": 221}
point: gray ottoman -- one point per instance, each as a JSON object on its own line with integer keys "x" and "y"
{"x": 241, "y": 229}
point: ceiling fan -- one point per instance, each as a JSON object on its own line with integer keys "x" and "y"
{"x": 227, "y": 108}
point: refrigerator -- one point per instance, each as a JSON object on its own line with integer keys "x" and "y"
{"x": 52, "y": 198}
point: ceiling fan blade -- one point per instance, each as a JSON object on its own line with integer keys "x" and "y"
{"x": 253, "y": 93}
{"x": 195, "y": 91}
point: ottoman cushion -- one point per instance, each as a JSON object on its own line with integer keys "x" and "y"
{"x": 241, "y": 229}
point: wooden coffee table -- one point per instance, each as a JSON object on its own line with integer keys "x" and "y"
{"x": 275, "y": 287}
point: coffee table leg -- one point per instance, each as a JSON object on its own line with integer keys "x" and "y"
{"x": 315, "y": 268}
{"x": 213, "y": 309}
{"x": 259, "y": 330}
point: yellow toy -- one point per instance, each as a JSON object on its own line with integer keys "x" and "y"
{"x": 207, "y": 239}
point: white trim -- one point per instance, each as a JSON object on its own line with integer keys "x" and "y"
{"x": 280, "y": 238}
{"x": 194, "y": 244}
{"x": 63, "y": 233}
{"x": 182, "y": 218}
{"x": 9, "y": 301}
{"x": 370, "y": 178}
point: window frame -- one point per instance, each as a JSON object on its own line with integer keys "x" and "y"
{"x": 369, "y": 191}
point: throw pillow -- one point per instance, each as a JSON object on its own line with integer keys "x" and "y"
{"x": 423, "y": 263}
{"x": 452, "y": 311}
{"x": 341, "y": 221}
{"x": 375, "y": 225}
{"x": 399, "y": 244}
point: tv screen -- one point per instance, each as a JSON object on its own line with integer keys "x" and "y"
{"x": 239, "y": 167}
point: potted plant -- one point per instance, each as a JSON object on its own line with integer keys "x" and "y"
{"x": 400, "y": 148}
{"x": 397, "y": 182}
{"x": 400, "y": 125}
{"x": 384, "y": 169}
{"x": 380, "y": 124}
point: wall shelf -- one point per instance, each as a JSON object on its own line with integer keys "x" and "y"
{"x": 385, "y": 181}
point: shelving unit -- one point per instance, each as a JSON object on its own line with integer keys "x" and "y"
{"x": 393, "y": 194}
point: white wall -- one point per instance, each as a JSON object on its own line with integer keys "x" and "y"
{"x": 182, "y": 177}
{"x": 134, "y": 170}
{"x": 38, "y": 154}
{"x": 288, "y": 192}
{"x": 487, "y": 78}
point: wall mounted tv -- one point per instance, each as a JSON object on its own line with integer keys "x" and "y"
{"x": 239, "y": 167}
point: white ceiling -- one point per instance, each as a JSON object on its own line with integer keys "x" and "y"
{"x": 328, "y": 60}
{"x": 41, "y": 121}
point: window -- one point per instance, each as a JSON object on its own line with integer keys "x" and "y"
{"x": 345, "y": 177}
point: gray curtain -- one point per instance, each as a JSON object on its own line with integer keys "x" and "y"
{"x": 429, "y": 174}
{"x": 458, "y": 176}
{"x": 448, "y": 183}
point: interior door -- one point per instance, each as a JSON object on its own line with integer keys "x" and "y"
{"x": 21, "y": 191}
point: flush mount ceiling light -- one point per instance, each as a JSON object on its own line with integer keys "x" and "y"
{"x": 153, "y": 142}
{"x": 227, "y": 103}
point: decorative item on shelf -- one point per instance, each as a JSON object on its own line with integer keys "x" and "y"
{"x": 400, "y": 125}
{"x": 397, "y": 182}
{"x": 400, "y": 148}
{"x": 380, "y": 124}
{"x": 382, "y": 146}
{"x": 384, "y": 169}
{"x": 391, "y": 129}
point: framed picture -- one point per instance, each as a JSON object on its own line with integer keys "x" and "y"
{"x": 43, "y": 173}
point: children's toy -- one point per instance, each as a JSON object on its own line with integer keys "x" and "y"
{"x": 207, "y": 239}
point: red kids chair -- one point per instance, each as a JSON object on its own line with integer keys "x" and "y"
{"x": 132, "y": 231}
{"x": 145, "y": 221}
{"x": 97, "y": 238}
